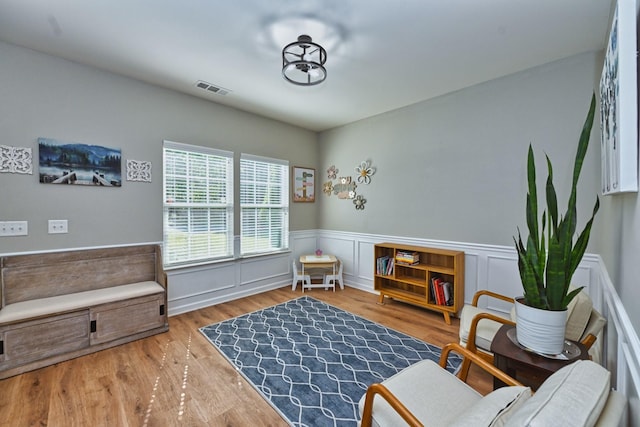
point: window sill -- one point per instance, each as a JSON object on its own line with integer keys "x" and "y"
{"x": 223, "y": 260}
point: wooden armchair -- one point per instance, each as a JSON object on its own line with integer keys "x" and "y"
{"x": 427, "y": 394}
{"x": 441, "y": 378}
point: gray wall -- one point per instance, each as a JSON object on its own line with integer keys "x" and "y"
{"x": 620, "y": 246}
{"x": 44, "y": 96}
{"x": 454, "y": 168}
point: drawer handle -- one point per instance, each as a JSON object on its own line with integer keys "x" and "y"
{"x": 93, "y": 326}
{"x": 1, "y": 347}
{"x": 162, "y": 310}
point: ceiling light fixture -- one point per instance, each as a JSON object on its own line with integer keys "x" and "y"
{"x": 303, "y": 62}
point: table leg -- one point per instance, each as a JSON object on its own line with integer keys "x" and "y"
{"x": 333, "y": 267}
{"x": 502, "y": 364}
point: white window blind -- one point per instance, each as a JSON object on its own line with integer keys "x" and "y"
{"x": 198, "y": 204}
{"x": 264, "y": 205}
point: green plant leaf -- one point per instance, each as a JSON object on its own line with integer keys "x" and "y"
{"x": 571, "y": 295}
{"x": 541, "y": 257}
{"x": 555, "y": 275}
{"x": 529, "y": 282}
{"x": 552, "y": 199}
{"x": 532, "y": 197}
{"x": 581, "y": 244}
{"x": 583, "y": 143}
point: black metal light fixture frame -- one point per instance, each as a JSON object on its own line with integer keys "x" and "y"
{"x": 303, "y": 62}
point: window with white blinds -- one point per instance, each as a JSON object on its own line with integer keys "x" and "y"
{"x": 264, "y": 205}
{"x": 198, "y": 204}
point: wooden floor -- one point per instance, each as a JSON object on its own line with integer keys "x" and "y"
{"x": 179, "y": 379}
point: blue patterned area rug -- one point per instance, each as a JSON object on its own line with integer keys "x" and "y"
{"x": 312, "y": 361}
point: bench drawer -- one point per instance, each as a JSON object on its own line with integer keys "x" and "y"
{"x": 25, "y": 342}
{"x": 117, "y": 320}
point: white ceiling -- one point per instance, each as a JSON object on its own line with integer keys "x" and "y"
{"x": 382, "y": 54}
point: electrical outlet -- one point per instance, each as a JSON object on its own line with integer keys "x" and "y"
{"x": 14, "y": 228}
{"x": 58, "y": 226}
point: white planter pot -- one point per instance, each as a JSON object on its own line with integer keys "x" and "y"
{"x": 539, "y": 330}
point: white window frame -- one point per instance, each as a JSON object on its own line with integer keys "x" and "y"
{"x": 277, "y": 234}
{"x": 196, "y": 244}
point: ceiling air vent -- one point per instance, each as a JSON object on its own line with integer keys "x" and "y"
{"x": 212, "y": 88}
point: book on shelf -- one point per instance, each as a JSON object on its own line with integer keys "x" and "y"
{"x": 441, "y": 292}
{"x": 435, "y": 285}
{"x": 432, "y": 291}
{"x": 406, "y": 263}
{"x": 390, "y": 265}
{"x": 408, "y": 258}
{"x": 441, "y": 298}
{"x": 448, "y": 293}
{"x": 384, "y": 266}
{"x": 381, "y": 264}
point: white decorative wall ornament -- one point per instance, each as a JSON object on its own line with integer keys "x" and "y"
{"x": 16, "y": 160}
{"x": 138, "y": 170}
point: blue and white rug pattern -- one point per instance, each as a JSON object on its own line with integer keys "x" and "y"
{"x": 312, "y": 361}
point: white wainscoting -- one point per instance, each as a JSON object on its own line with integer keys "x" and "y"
{"x": 192, "y": 288}
{"x": 622, "y": 349}
{"x": 486, "y": 267}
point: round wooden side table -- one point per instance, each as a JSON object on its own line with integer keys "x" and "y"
{"x": 529, "y": 368}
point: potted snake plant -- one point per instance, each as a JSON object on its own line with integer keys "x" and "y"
{"x": 550, "y": 256}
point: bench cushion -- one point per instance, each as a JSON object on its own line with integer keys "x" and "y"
{"x": 25, "y": 310}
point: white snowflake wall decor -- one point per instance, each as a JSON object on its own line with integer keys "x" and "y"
{"x": 138, "y": 170}
{"x": 16, "y": 160}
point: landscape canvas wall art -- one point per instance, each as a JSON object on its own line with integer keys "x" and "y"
{"x": 64, "y": 162}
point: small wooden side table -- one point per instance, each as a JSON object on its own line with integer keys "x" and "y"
{"x": 529, "y": 368}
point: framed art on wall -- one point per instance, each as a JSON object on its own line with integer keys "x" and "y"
{"x": 304, "y": 189}
{"x": 63, "y": 162}
{"x": 619, "y": 104}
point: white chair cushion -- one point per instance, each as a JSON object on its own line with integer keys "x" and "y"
{"x": 573, "y": 396}
{"x": 613, "y": 410}
{"x": 426, "y": 390}
{"x": 578, "y": 314}
{"x": 494, "y": 409}
{"x": 485, "y": 331}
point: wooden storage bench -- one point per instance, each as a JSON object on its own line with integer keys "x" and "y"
{"x": 59, "y": 305}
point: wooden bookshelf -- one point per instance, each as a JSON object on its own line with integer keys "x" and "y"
{"x": 422, "y": 278}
